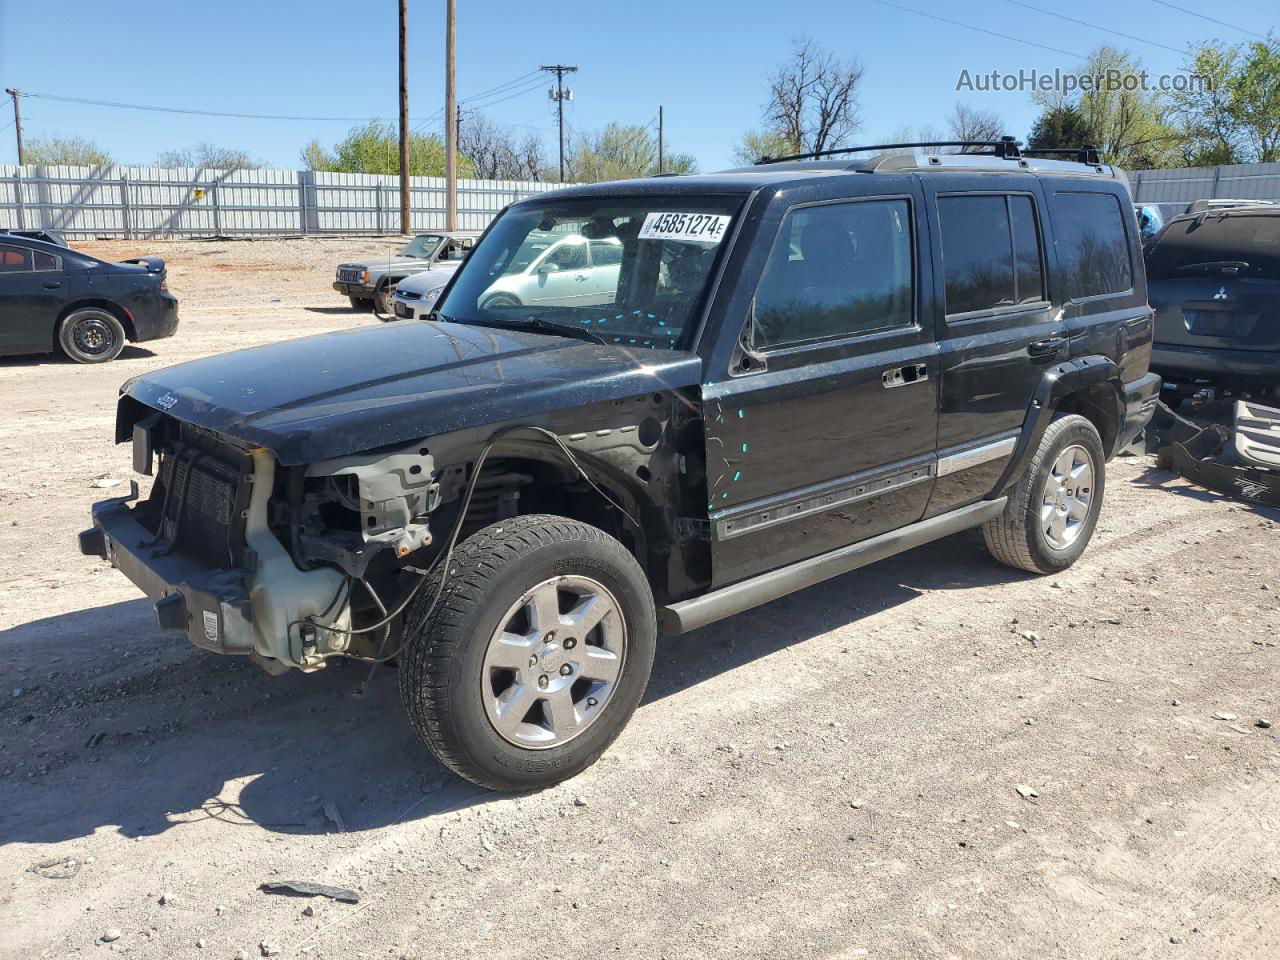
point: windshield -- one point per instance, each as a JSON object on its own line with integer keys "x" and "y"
{"x": 423, "y": 248}
{"x": 1201, "y": 246}
{"x": 629, "y": 270}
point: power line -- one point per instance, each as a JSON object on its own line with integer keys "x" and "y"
{"x": 969, "y": 26}
{"x": 503, "y": 86}
{"x": 511, "y": 96}
{"x": 190, "y": 112}
{"x": 1221, "y": 23}
{"x": 1094, "y": 26}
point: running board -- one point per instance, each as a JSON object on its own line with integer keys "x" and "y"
{"x": 691, "y": 614}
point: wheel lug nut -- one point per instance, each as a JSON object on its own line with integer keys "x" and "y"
{"x": 533, "y": 661}
{"x": 592, "y": 701}
{"x": 543, "y": 681}
{"x": 565, "y": 670}
{"x": 570, "y": 643}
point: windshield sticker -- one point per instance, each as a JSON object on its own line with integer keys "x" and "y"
{"x": 689, "y": 227}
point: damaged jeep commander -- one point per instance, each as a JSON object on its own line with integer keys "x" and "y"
{"x": 797, "y": 368}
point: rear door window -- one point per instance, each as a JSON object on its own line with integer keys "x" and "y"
{"x": 837, "y": 269}
{"x": 1093, "y": 247}
{"x": 14, "y": 259}
{"x": 991, "y": 252}
{"x": 1238, "y": 244}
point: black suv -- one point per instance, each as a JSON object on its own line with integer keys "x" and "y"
{"x": 1215, "y": 287}
{"x": 803, "y": 367}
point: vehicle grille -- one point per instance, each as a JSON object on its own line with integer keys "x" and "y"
{"x": 350, "y": 274}
{"x": 407, "y": 294}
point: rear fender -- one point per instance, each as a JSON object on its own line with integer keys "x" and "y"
{"x": 1095, "y": 377}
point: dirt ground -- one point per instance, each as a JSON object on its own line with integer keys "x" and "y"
{"x": 834, "y": 775}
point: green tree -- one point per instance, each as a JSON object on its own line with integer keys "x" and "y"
{"x": 763, "y": 143}
{"x": 1202, "y": 112}
{"x": 65, "y": 151}
{"x": 375, "y": 148}
{"x": 621, "y": 152}
{"x": 1059, "y": 127}
{"x": 1255, "y": 100}
{"x": 1127, "y": 123}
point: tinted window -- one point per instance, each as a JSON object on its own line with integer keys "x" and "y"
{"x": 1214, "y": 244}
{"x": 1028, "y": 272}
{"x": 1092, "y": 245}
{"x": 45, "y": 261}
{"x": 14, "y": 259}
{"x": 837, "y": 269}
{"x": 977, "y": 253}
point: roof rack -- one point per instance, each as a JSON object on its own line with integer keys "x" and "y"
{"x": 1005, "y": 147}
{"x": 1087, "y": 154}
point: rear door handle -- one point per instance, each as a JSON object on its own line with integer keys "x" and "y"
{"x": 1045, "y": 349}
{"x": 901, "y": 376}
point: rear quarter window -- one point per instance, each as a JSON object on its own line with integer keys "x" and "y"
{"x": 1093, "y": 247}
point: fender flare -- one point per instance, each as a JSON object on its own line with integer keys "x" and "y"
{"x": 1057, "y": 383}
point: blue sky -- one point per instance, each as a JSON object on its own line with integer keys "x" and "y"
{"x": 705, "y": 61}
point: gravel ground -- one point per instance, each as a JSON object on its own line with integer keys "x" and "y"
{"x": 932, "y": 757}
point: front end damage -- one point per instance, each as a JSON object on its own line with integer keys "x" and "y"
{"x": 292, "y": 565}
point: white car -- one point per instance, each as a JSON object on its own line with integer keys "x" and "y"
{"x": 549, "y": 270}
{"x": 414, "y": 297}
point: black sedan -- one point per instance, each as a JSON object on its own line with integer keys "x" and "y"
{"x": 52, "y": 296}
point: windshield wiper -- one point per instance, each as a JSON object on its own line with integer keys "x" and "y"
{"x": 550, "y": 326}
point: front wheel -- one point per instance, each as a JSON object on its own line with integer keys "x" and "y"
{"x": 91, "y": 335}
{"x": 382, "y": 304}
{"x": 1054, "y": 508}
{"x": 535, "y": 656}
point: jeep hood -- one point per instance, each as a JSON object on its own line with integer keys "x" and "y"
{"x": 355, "y": 390}
{"x": 382, "y": 265}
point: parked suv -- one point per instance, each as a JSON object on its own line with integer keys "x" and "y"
{"x": 371, "y": 283}
{"x": 804, "y": 367}
{"x": 1215, "y": 287}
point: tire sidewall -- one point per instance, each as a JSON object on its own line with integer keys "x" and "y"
{"x": 66, "y": 335}
{"x": 533, "y": 768}
{"x": 1078, "y": 432}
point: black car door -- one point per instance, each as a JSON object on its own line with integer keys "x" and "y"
{"x": 830, "y": 440}
{"x": 32, "y": 292}
{"x": 998, "y": 330}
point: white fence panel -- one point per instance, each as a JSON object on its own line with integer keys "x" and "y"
{"x": 119, "y": 201}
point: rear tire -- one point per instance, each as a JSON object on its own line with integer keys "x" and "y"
{"x": 91, "y": 335}
{"x": 535, "y": 656}
{"x": 1053, "y": 510}
{"x": 501, "y": 300}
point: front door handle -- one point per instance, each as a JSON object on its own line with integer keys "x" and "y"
{"x": 1046, "y": 349}
{"x": 901, "y": 376}
{"x": 52, "y": 286}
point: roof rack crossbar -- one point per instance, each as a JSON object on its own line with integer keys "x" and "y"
{"x": 1005, "y": 147}
{"x": 1086, "y": 154}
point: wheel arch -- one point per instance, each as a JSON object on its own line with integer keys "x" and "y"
{"x": 117, "y": 311}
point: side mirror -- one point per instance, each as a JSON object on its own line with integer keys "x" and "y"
{"x": 545, "y": 268}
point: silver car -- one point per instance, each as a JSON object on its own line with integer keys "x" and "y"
{"x": 559, "y": 270}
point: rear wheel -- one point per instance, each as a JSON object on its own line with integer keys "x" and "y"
{"x": 91, "y": 335}
{"x": 1054, "y": 508}
{"x": 501, "y": 300}
{"x": 535, "y": 656}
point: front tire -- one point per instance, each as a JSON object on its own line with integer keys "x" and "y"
{"x": 382, "y": 304}
{"x": 535, "y": 656}
{"x": 91, "y": 335}
{"x": 1053, "y": 510}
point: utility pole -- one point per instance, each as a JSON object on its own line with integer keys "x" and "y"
{"x": 451, "y": 115}
{"x": 559, "y": 95}
{"x": 659, "y": 138}
{"x": 17, "y": 121}
{"x": 406, "y": 217}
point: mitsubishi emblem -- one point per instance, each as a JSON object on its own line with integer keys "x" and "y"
{"x": 1221, "y": 294}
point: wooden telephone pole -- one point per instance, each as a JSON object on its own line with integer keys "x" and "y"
{"x": 451, "y": 116}
{"x": 17, "y": 122}
{"x": 406, "y": 214}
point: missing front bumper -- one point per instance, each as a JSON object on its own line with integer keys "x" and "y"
{"x": 209, "y": 606}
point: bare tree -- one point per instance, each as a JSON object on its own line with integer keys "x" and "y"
{"x": 208, "y": 156}
{"x": 813, "y": 98}
{"x": 497, "y": 154}
{"x": 974, "y": 126}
